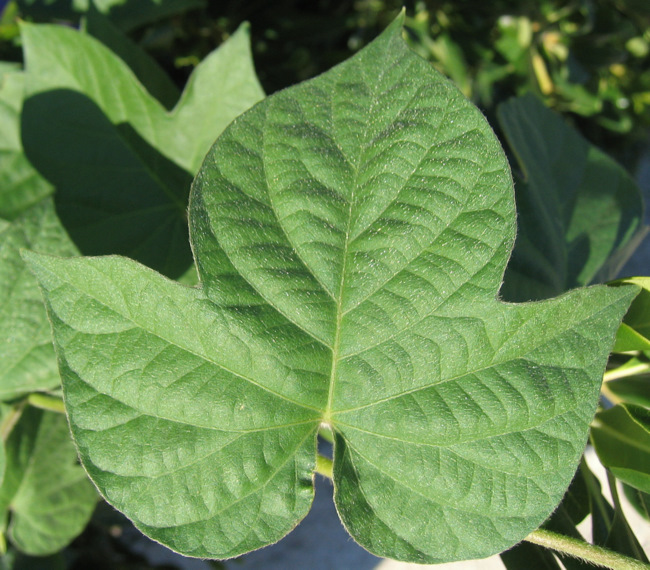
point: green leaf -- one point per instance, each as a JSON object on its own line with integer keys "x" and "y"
{"x": 117, "y": 158}
{"x": 580, "y": 213}
{"x": 634, "y": 390}
{"x": 221, "y": 87}
{"x": 602, "y": 513}
{"x": 639, "y": 500}
{"x": 47, "y": 493}
{"x": 6, "y": 424}
{"x": 27, "y": 361}
{"x": 634, "y": 332}
{"x": 621, "y": 436}
{"x": 20, "y": 185}
{"x": 350, "y": 235}
{"x": 153, "y": 78}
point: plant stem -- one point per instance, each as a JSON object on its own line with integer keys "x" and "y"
{"x": 585, "y": 551}
{"x": 624, "y": 372}
{"x": 324, "y": 466}
{"x": 46, "y": 402}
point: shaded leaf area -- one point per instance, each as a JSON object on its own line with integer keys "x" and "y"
{"x": 222, "y": 86}
{"x": 639, "y": 500}
{"x": 16, "y": 560}
{"x": 28, "y": 361}
{"x": 115, "y": 193}
{"x": 579, "y": 213}
{"x": 350, "y": 235}
{"x": 609, "y": 527}
{"x": 121, "y": 163}
{"x": 621, "y": 437}
{"x": 525, "y": 556}
{"x": 21, "y": 186}
{"x": 45, "y": 493}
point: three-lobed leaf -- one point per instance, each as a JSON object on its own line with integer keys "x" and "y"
{"x": 115, "y": 190}
{"x": 351, "y": 235}
{"x": 121, "y": 163}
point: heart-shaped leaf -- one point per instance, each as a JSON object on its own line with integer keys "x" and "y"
{"x": 351, "y": 235}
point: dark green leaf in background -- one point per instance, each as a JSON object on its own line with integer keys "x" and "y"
{"x": 126, "y": 16}
{"x": 579, "y": 213}
{"x": 621, "y": 436}
{"x": 639, "y": 500}
{"x": 351, "y": 235}
{"x": 130, "y": 15}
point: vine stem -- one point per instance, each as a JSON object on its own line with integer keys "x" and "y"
{"x": 624, "y": 372}
{"x": 548, "y": 539}
{"x": 46, "y": 402}
{"x": 324, "y": 466}
{"x": 585, "y": 551}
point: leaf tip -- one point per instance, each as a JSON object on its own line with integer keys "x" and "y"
{"x": 34, "y": 261}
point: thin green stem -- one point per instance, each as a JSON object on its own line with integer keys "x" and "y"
{"x": 624, "y": 372}
{"x": 611, "y": 481}
{"x": 585, "y": 551}
{"x": 46, "y": 402}
{"x": 324, "y": 466}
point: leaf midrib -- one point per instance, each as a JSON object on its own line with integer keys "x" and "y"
{"x": 327, "y": 415}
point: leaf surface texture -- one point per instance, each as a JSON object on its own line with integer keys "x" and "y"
{"x": 351, "y": 235}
